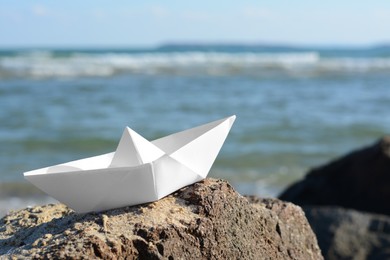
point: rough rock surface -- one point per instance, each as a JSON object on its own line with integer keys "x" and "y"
{"x": 349, "y": 234}
{"x": 359, "y": 180}
{"x": 205, "y": 220}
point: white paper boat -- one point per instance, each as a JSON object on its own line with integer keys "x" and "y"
{"x": 139, "y": 171}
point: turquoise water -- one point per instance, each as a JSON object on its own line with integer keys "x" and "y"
{"x": 296, "y": 107}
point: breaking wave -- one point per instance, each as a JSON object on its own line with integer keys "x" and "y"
{"x": 46, "y": 64}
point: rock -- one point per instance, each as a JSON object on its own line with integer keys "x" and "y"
{"x": 349, "y": 234}
{"x": 359, "y": 180}
{"x": 205, "y": 220}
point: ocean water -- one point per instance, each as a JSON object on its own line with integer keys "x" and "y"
{"x": 296, "y": 107}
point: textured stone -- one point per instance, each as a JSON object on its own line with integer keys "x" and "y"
{"x": 349, "y": 234}
{"x": 359, "y": 180}
{"x": 207, "y": 220}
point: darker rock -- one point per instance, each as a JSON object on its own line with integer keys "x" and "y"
{"x": 349, "y": 234}
{"x": 207, "y": 220}
{"x": 359, "y": 180}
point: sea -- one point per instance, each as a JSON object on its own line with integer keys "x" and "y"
{"x": 296, "y": 107}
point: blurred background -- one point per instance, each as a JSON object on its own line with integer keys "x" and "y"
{"x": 308, "y": 81}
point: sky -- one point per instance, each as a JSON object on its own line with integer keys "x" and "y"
{"x": 129, "y": 23}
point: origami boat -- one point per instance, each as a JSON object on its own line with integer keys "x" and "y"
{"x": 138, "y": 171}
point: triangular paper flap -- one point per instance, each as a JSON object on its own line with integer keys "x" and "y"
{"x": 134, "y": 150}
{"x": 171, "y": 143}
{"x": 200, "y": 154}
{"x": 171, "y": 175}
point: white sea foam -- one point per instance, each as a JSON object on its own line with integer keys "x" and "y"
{"x": 45, "y": 64}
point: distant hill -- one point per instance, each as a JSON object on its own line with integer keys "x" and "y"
{"x": 228, "y": 47}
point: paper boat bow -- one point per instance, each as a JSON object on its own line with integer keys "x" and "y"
{"x": 139, "y": 171}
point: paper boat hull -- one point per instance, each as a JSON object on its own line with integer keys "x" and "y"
{"x": 103, "y": 189}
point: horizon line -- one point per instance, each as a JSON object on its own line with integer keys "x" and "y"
{"x": 193, "y": 44}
